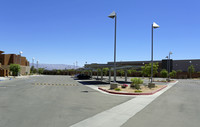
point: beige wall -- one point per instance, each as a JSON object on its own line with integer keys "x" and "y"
{"x": 25, "y": 70}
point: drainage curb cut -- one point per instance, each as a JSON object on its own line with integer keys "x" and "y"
{"x": 112, "y": 92}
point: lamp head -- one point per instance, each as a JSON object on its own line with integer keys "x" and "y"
{"x": 155, "y": 25}
{"x": 20, "y": 52}
{"x": 170, "y": 53}
{"x": 112, "y": 15}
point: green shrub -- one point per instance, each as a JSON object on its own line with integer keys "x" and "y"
{"x": 136, "y": 81}
{"x": 172, "y": 74}
{"x": 117, "y": 89}
{"x": 40, "y": 70}
{"x": 133, "y": 71}
{"x": 138, "y": 91}
{"x": 179, "y": 71}
{"x": 137, "y": 86}
{"x": 120, "y": 72}
{"x": 191, "y": 70}
{"x": 146, "y": 70}
{"x": 164, "y": 73}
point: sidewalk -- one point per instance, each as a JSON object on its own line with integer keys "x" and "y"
{"x": 4, "y": 78}
{"x": 16, "y": 77}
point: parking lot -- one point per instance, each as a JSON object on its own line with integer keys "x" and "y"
{"x": 61, "y": 101}
{"x": 50, "y": 101}
{"x": 177, "y": 107}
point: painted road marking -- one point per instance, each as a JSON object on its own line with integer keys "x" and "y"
{"x": 53, "y": 84}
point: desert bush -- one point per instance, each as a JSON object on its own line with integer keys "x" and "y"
{"x": 136, "y": 82}
{"x": 137, "y": 86}
{"x": 40, "y": 70}
{"x": 117, "y": 89}
{"x": 138, "y": 91}
{"x": 191, "y": 70}
{"x": 146, "y": 70}
{"x": 172, "y": 74}
{"x": 179, "y": 71}
{"x": 164, "y": 73}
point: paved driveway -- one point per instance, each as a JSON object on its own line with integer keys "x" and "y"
{"x": 177, "y": 107}
{"x": 50, "y": 101}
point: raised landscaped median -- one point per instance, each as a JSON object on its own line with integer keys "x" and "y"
{"x": 135, "y": 88}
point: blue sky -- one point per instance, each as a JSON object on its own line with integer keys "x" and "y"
{"x": 65, "y": 31}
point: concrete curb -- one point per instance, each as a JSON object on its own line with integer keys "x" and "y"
{"x": 122, "y": 93}
{"x": 166, "y": 82}
{"x": 120, "y": 114}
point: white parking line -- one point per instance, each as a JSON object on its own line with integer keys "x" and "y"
{"x": 118, "y": 115}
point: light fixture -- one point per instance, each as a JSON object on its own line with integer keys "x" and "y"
{"x": 112, "y": 15}
{"x": 155, "y": 25}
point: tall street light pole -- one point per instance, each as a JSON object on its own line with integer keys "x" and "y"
{"x": 16, "y": 61}
{"x": 76, "y": 64}
{"x": 114, "y": 15}
{"x": 190, "y": 68}
{"x": 154, "y": 26}
{"x": 20, "y": 53}
{"x": 33, "y": 61}
{"x": 169, "y": 61}
{"x": 167, "y": 57}
{"x": 37, "y": 64}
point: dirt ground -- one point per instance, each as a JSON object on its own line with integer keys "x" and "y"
{"x": 144, "y": 89}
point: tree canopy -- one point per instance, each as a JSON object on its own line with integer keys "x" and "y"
{"x": 147, "y": 69}
{"x": 15, "y": 69}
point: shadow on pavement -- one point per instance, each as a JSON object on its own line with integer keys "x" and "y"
{"x": 93, "y": 82}
{"x": 123, "y": 82}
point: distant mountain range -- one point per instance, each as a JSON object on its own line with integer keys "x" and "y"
{"x": 55, "y": 66}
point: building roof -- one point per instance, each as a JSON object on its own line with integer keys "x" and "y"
{"x": 1, "y": 52}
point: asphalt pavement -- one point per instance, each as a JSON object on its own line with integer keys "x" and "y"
{"x": 50, "y": 101}
{"x": 177, "y": 107}
{"x": 61, "y": 101}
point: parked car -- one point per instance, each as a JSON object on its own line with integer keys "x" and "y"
{"x": 82, "y": 76}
